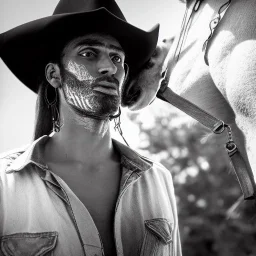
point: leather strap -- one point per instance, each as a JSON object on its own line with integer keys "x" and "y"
{"x": 244, "y": 174}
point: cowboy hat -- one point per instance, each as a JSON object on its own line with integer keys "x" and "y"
{"x": 26, "y": 49}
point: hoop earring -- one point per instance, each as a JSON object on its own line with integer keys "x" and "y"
{"x": 54, "y": 110}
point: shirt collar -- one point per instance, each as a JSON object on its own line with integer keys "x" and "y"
{"x": 130, "y": 159}
{"x": 33, "y": 154}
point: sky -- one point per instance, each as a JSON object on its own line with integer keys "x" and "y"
{"x": 17, "y": 103}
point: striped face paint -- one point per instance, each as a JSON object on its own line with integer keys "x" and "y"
{"x": 78, "y": 86}
{"x": 81, "y": 72}
{"x": 77, "y": 93}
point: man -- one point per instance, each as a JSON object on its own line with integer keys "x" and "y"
{"x": 77, "y": 191}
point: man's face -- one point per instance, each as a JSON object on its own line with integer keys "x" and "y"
{"x": 93, "y": 73}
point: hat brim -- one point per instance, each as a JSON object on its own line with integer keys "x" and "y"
{"x": 26, "y": 49}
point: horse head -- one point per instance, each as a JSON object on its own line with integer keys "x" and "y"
{"x": 142, "y": 88}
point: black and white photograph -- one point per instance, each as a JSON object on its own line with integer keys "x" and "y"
{"x": 127, "y": 128}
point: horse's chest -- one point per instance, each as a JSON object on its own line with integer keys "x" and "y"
{"x": 191, "y": 79}
{"x": 192, "y": 47}
{"x": 231, "y": 57}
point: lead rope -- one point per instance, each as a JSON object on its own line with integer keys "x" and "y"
{"x": 244, "y": 173}
{"x": 185, "y": 27}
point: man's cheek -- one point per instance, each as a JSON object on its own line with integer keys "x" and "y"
{"x": 80, "y": 72}
{"x": 70, "y": 95}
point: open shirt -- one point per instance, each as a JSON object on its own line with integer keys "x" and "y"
{"x": 41, "y": 215}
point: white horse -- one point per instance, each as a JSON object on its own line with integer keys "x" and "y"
{"x": 226, "y": 87}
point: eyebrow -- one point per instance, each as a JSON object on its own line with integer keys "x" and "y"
{"x": 96, "y": 42}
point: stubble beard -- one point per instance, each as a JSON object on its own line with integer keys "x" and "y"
{"x": 86, "y": 102}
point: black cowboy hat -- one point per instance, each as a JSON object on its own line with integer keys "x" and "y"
{"x": 26, "y": 49}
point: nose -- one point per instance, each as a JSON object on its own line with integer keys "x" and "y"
{"x": 106, "y": 66}
{"x": 168, "y": 41}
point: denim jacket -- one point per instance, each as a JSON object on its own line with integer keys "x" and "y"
{"x": 40, "y": 214}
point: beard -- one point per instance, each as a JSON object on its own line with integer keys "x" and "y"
{"x": 81, "y": 97}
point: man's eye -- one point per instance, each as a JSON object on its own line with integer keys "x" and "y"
{"x": 87, "y": 54}
{"x": 116, "y": 59}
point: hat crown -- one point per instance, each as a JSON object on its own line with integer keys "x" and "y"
{"x": 41, "y": 40}
{"x": 72, "y": 6}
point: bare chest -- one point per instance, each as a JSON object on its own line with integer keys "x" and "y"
{"x": 98, "y": 191}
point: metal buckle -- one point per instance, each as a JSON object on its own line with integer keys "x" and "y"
{"x": 231, "y": 148}
{"x": 219, "y": 127}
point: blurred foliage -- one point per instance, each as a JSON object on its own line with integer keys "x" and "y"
{"x": 214, "y": 219}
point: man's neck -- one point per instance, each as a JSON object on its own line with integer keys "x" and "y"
{"x": 86, "y": 141}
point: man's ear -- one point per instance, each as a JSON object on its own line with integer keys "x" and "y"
{"x": 52, "y": 74}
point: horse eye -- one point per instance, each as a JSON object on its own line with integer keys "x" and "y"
{"x": 149, "y": 64}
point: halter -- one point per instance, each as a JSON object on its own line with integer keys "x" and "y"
{"x": 217, "y": 126}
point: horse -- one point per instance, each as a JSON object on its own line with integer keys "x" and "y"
{"x": 213, "y": 65}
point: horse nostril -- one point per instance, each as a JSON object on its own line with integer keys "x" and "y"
{"x": 155, "y": 52}
{"x": 163, "y": 74}
{"x": 164, "y": 41}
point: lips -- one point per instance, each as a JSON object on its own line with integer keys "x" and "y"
{"x": 106, "y": 87}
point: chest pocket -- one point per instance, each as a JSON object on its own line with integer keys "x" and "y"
{"x": 158, "y": 238}
{"x": 29, "y": 244}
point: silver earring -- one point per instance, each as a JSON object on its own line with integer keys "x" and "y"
{"x": 54, "y": 110}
